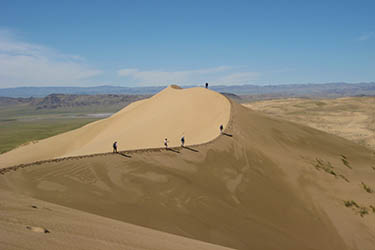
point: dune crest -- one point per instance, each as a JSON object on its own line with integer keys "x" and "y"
{"x": 194, "y": 113}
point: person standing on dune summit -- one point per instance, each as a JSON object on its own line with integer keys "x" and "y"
{"x": 166, "y": 143}
{"x": 182, "y": 141}
{"x": 115, "y": 147}
{"x": 221, "y": 128}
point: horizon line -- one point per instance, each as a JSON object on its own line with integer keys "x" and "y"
{"x": 190, "y": 85}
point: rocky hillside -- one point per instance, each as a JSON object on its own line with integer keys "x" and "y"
{"x": 54, "y": 101}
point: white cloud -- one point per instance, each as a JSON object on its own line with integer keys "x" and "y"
{"x": 217, "y": 75}
{"x": 23, "y": 64}
{"x": 366, "y": 36}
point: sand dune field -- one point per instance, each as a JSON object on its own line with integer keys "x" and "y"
{"x": 266, "y": 183}
{"x": 350, "y": 117}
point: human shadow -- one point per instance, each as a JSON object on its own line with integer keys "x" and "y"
{"x": 226, "y": 134}
{"x": 191, "y": 149}
{"x": 124, "y": 155}
{"x": 173, "y": 150}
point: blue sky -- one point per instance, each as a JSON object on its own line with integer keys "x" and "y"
{"x": 144, "y": 43}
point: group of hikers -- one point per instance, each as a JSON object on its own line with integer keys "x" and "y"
{"x": 166, "y": 141}
{"x": 182, "y": 142}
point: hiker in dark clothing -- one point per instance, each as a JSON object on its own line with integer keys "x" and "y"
{"x": 115, "y": 147}
{"x": 182, "y": 141}
{"x": 166, "y": 143}
{"x": 206, "y": 85}
{"x": 221, "y": 129}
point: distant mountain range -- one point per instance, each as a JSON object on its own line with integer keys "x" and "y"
{"x": 106, "y": 102}
{"x": 97, "y": 90}
{"x": 285, "y": 90}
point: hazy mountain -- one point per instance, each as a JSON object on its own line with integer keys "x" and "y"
{"x": 105, "y": 102}
{"x": 299, "y": 90}
{"x": 287, "y": 90}
{"x": 65, "y": 101}
{"x": 97, "y": 90}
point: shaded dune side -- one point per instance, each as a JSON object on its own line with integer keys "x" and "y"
{"x": 255, "y": 187}
{"x": 195, "y": 113}
{"x": 24, "y": 223}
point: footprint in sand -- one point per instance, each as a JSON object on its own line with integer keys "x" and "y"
{"x": 38, "y": 229}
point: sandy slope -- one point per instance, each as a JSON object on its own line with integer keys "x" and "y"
{"x": 195, "y": 113}
{"x": 29, "y": 224}
{"x": 266, "y": 184}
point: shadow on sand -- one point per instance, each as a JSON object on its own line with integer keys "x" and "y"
{"x": 125, "y": 155}
{"x": 173, "y": 150}
{"x": 227, "y": 134}
{"x": 191, "y": 149}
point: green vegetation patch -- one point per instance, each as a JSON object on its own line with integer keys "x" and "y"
{"x": 367, "y": 188}
{"x": 344, "y": 178}
{"x": 326, "y": 166}
{"x": 361, "y": 210}
{"x": 16, "y": 133}
{"x": 345, "y": 161}
{"x": 24, "y": 120}
{"x": 351, "y": 204}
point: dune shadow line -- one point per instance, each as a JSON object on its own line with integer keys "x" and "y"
{"x": 226, "y": 134}
{"x": 173, "y": 150}
{"x": 191, "y": 149}
{"x": 124, "y": 155}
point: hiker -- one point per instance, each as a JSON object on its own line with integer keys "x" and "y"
{"x": 166, "y": 143}
{"x": 115, "y": 147}
{"x": 182, "y": 141}
{"x": 221, "y": 128}
{"x": 206, "y": 85}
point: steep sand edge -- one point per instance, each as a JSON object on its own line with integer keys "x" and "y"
{"x": 195, "y": 113}
{"x": 255, "y": 187}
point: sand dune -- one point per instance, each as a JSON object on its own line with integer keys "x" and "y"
{"x": 195, "y": 113}
{"x": 264, "y": 184}
{"x": 26, "y": 223}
